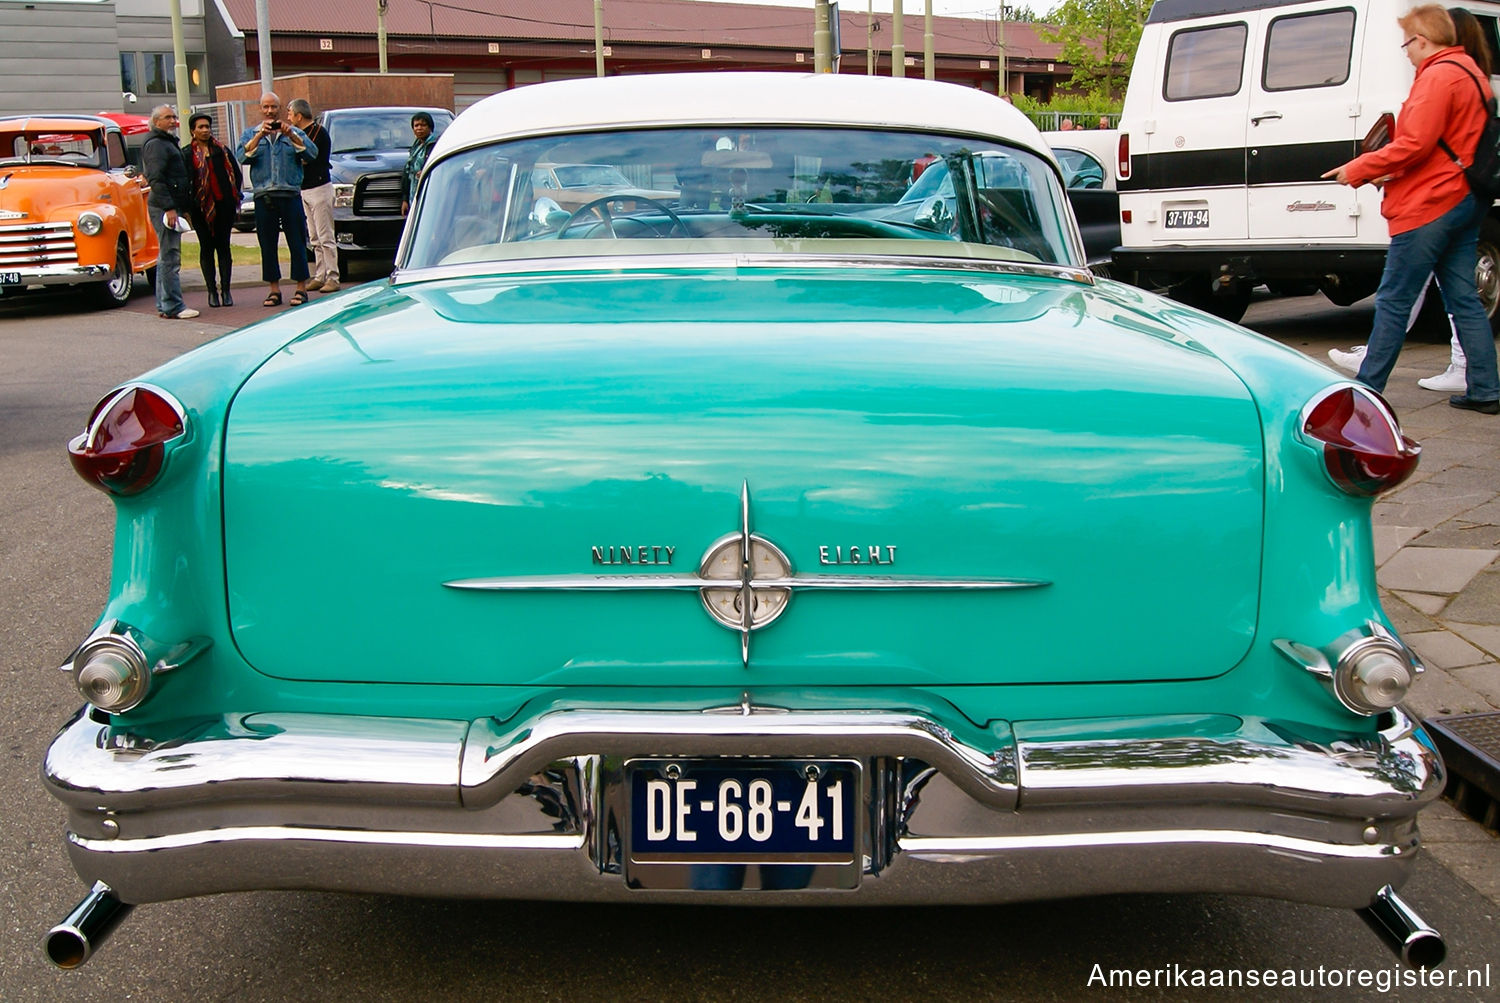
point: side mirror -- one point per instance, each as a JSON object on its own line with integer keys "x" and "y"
{"x": 546, "y": 214}
{"x": 934, "y": 214}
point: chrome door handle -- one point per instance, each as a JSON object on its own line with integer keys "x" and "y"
{"x": 1258, "y": 119}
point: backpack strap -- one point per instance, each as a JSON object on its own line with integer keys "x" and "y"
{"x": 1488, "y": 104}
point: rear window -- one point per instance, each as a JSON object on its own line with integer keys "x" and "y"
{"x": 1309, "y": 50}
{"x": 1205, "y": 62}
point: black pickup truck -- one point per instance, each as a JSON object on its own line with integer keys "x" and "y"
{"x": 370, "y": 147}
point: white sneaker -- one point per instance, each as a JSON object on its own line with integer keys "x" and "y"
{"x": 1350, "y": 360}
{"x": 186, "y": 313}
{"x": 1453, "y": 380}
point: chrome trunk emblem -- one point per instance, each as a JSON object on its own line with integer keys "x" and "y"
{"x": 744, "y": 581}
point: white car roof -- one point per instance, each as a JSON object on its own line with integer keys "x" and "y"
{"x": 758, "y": 99}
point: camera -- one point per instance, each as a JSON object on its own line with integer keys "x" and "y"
{"x": 274, "y": 125}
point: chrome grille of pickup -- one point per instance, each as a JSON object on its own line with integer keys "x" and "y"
{"x": 378, "y": 195}
{"x": 31, "y": 244}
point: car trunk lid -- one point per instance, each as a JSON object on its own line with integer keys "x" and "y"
{"x": 946, "y": 431}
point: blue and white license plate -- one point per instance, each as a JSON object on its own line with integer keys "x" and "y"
{"x": 10, "y": 278}
{"x": 1187, "y": 219}
{"x": 711, "y": 817}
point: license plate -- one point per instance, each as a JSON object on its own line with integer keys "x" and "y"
{"x": 10, "y": 278}
{"x": 1187, "y": 218}
{"x": 738, "y": 824}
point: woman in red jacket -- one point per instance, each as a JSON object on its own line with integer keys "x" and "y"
{"x": 1432, "y": 215}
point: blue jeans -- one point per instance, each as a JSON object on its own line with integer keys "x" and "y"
{"x": 1447, "y": 248}
{"x": 276, "y": 212}
{"x": 168, "y": 265}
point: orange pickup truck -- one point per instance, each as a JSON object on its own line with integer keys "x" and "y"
{"x": 72, "y": 212}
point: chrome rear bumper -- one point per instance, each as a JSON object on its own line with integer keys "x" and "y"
{"x": 533, "y": 808}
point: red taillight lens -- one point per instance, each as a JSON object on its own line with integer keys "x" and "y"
{"x": 1122, "y": 165}
{"x": 122, "y": 449}
{"x": 1364, "y": 449}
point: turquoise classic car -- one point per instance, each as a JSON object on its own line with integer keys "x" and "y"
{"x": 782, "y": 539}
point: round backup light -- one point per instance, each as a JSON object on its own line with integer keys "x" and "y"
{"x": 111, "y": 673}
{"x": 90, "y": 223}
{"x": 125, "y": 444}
{"x": 1373, "y": 679}
{"x": 1364, "y": 449}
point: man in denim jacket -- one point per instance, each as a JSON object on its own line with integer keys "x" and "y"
{"x": 276, "y": 151}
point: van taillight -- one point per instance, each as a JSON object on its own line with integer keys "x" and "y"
{"x": 1122, "y": 165}
{"x": 122, "y": 449}
{"x": 1364, "y": 449}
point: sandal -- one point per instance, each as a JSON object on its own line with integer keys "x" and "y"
{"x": 299, "y": 297}
{"x": 272, "y": 300}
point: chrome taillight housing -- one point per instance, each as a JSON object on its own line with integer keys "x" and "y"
{"x": 125, "y": 444}
{"x": 1364, "y": 450}
{"x": 114, "y": 668}
{"x": 1368, "y": 669}
{"x": 111, "y": 672}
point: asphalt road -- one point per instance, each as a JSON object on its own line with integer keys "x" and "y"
{"x": 56, "y": 359}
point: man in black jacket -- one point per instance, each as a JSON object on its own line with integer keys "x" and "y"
{"x": 161, "y": 158}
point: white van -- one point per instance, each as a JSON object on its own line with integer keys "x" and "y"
{"x": 1234, "y": 111}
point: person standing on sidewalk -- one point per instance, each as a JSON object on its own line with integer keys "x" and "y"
{"x": 276, "y": 151}
{"x": 162, "y": 163}
{"x": 214, "y": 177}
{"x": 1431, "y": 213}
{"x": 317, "y": 199}
{"x": 421, "y": 145}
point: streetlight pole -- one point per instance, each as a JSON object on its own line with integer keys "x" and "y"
{"x": 929, "y": 70}
{"x": 263, "y": 42}
{"x": 380, "y": 9}
{"x": 598, "y": 38}
{"x": 822, "y": 38}
{"x": 179, "y": 57}
{"x": 898, "y": 41}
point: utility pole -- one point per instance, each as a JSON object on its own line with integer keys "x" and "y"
{"x": 929, "y": 67}
{"x": 380, "y": 8}
{"x": 1000, "y": 33}
{"x": 898, "y": 41}
{"x": 869, "y": 38}
{"x": 263, "y": 42}
{"x": 822, "y": 38}
{"x": 598, "y": 38}
{"x": 179, "y": 57}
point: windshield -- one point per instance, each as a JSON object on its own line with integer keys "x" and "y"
{"x": 377, "y": 130}
{"x": 30, "y": 147}
{"x": 768, "y": 190}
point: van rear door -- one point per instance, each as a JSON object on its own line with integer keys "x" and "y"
{"x": 1304, "y": 93}
{"x": 1196, "y": 155}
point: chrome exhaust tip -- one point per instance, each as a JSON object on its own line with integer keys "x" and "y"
{"x": 1406, "y": 933}
{"x": 74, "y": 940}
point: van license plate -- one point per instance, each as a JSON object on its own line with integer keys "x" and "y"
{"x": 10, "y": 278}
{"x": 1187, "y": 218}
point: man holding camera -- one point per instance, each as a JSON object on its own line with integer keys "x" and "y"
{"x": 276, "y": 151}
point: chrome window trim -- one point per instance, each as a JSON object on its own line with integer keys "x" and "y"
{"x": 665, "y": 265}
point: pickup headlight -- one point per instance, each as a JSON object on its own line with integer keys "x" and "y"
{"x": 343, "y": 196}
{"x": 90, "y": 223}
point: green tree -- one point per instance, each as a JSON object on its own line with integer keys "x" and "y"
{"x": 1098, "y": 38}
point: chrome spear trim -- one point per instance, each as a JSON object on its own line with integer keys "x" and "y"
{"x": 737, "y": 596}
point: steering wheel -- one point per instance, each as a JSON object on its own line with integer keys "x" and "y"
{"x": 600, "y": 206}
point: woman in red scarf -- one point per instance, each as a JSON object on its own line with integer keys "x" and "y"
{"x": 215, "y": 178}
